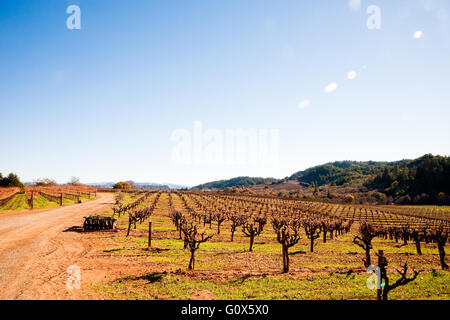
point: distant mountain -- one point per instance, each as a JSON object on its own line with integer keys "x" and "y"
{"x": 236, "y": 182}
{"x": 161, "y": 186}
{"x": 141, "y": 185}
{"x": 176, "y": 186}
{"x": 101, "y": 184}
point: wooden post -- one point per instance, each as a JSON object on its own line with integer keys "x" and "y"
{"x": 149, "y": 234}
{"x": 61, "y": 199}
{"x": 32, "y": 200}
{"x": 380, "y": 265}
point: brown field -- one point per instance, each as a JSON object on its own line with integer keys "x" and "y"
{"x": 34, "y": 257}
{"x": 60, "y": 189}
{"x": 6, "y": 192}
{"x": 54, "y": 190}
{"x": 291, "y": 185}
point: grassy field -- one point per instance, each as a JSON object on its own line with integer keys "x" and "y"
{"x": 42, "y": 203}
{"x": 226, "y": 270}
{"x": 19, "y": 203}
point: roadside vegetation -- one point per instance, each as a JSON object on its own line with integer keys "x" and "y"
{"x": 44, "y": 194}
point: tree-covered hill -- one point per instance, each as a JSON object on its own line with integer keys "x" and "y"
{"x": 340, "y": 172}
{"x": 423, "y": 180}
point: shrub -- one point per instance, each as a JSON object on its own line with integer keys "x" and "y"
{"x": 12, "y": 180}
{"x": 122, "y": 186}
{"x": 45, "y": 182}
{"x": 443, "y": 198}
{"x": 349, "y": 198}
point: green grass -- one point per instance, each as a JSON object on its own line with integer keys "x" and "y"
{"x": 86, "y": 199}
{"x": 42, "y": 203}
{"x": 323, "y": 286}
{"x": 18, "y": 203}
{"x": 129, "y": 197}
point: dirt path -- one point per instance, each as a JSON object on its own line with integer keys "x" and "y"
{"x": 35, "y": 252}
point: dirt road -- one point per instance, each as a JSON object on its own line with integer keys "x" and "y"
{"x": 35, "y": 252}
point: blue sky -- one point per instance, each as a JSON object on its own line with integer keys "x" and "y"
{"x": 102, "y": 102}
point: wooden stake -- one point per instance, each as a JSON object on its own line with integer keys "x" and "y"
{"x": 380, "y": 265}
{"x": 149, "y": 234}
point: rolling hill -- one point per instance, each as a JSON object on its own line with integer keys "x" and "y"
{"x": 425, "y": 180}
{"x": 341, "y": 172}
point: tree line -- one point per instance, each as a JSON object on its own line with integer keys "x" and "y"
{"x": 11, "y": 180}
{"x": 422, "y": 181}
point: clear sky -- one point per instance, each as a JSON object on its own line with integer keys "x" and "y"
{"x": 103, "y": 102}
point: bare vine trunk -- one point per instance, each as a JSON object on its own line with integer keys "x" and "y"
{"x": 442, "y": 255}
{"x": 129, "y": 227}
{"x": 285, "y": 259}
{"x": 418, "y": 249}
{"x": 368, "y": 256}
{"x": 192, "y": 260}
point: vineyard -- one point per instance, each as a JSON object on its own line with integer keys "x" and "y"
{"x": 32, "y": 197}
{"x": 220, "y": 238}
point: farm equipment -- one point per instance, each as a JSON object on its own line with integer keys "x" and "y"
{"x": 98, "y": 223}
